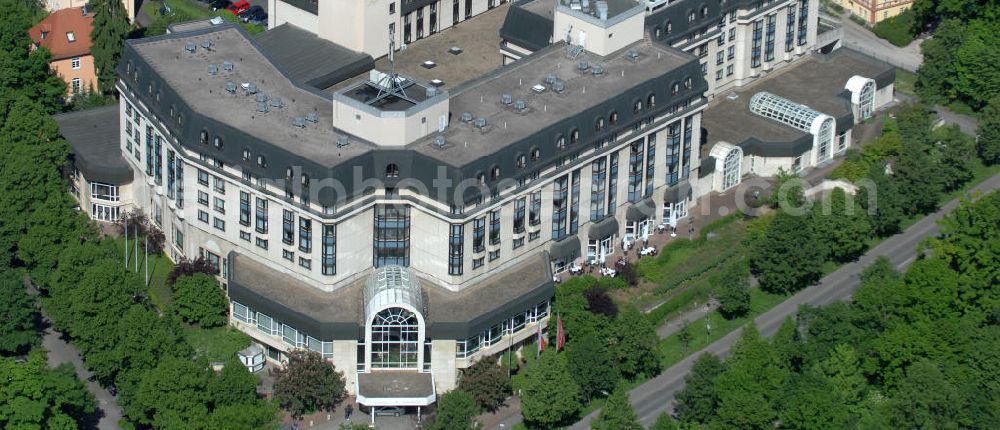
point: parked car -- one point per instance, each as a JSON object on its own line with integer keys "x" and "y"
{"x": 389, "y": 411}
{"x": 253, "y": 12}
{"x": 238, "y": 7}
{"x": 220, "y": 4}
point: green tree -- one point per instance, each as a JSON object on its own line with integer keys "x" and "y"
{"x": 308, "y": 383}
{"x": 915, "y": 172}
{"x": 34, "y": 396}
{"x": 25, "y": 71}
{"x": 17, "y": 327}
{"x": 808, "y": 405}
{"x": 591, "y": 365}
{"x": 842, "y": 226}
{"x": 456, "y": 410}
{"x": 255, "y": 415}
{"x": 198, "y": 299}
{"x": 234, "y": 385}
{"x": 977, "y": 63}
{"x": 989, "y": 133}
{"x": 843, "y": 373}
{"x": 664, "y": 422}
{"x": 734, "y": 291}
{"x": 549, "y": 397}
{"x": 749, "y": 388}
{"x": 634, "y": 345}
{"x": 954, "y": 153}
{"x": 787, "y": 259}
{"x": 617, "y": 413}
{"x": 696, "y": 403}
{"x": 925, "y": 399}
{"x": 174, "y": 394}
{"x": 110, "y": 28}
{"x": 936, "y": 78}
{"x": 486, "y": 382}
{"x": 787, "y": 345}
{"x": 882, "y": 200}
{"x": 897, "y": 30}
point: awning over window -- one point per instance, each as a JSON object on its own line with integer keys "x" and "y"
{"x": 396, "y": 389}
{"x": 677, "y": 193}
{"x": 566, "y": 249}
{"x": 603, "y": 228}
{"x": 645, "y": 208}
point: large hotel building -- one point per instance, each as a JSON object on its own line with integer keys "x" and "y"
{"x": 408, "y": 220}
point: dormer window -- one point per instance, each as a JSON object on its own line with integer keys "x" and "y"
{"x": 70, "y": 36}
{"x": 536, "y": 154}
{"x": 651, "y": 101}
{"x": 481, "y": 177}
{"x": 574, "y": 137}
{"x": 613, "y": 118}
{"x": 637, "y": 106}
{"x": 495, "y": 173}
{"x": 261, "y": 161}
{"x": 392, "y": 171}
{"x": 599, "y": 125}
{"x": 217, "y": 142}
{"x": 44, "y": 33}
{"x": 289, "y": 173}
{"x": 246, "y": 155}
{"x": 691, "y": 16}
{"x": 676, "y": 88}
{"x": 204, "y": 137}
{"x": 561, "y": 142}
{"x": 704, "y": 11}
{"x": 521, "y": 161}
{"x": 687, "y": 83}
{"x": 668, "y": 27}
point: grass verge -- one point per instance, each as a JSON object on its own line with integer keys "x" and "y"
{"x": 216, "y": 344}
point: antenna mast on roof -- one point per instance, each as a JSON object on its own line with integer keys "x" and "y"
{"x": 391, "y": 83}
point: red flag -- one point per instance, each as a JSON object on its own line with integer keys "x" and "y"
{"x": 560, "y": 334}
{"x": 541, "y": 340}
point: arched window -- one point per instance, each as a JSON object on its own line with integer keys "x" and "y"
{"x": 574, "y": 137}
{"x": 668, "y": 27}
{"x": 289, "y": 173}
{"x": 217, "y": 142}
{"x": 651, "y": 101}
{"x": 675, "y": 88}
{"x": 599, "y": 124}
{"x": 691, "y": 16}
{"x": 521, "y": 161}
{"x": 392, "y": 171}
{"x": 732, "y": 171}
{"x": 561, "y": 142}
{"x": 704, "y": 11}
{"x": 657, "y": 32}
{"x": 867, "y": 100}
{"x": 637, "y": 106}
{"x": 536, "y": 154}
{"x": 687, "y": 83}
{"x": 261, "y": 161}
{"x": 204, "y": 137}
{"x": 495, "y": 173}
{"x": 395, "y": 334}
{"x": 246, "y": 154}
{"x": 481, "y": 177}
{"x": 613, "y": 118}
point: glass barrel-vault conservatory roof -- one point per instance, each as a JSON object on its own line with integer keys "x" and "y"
{"x": 392, "y": 286}
{"x": 783, "y": 110}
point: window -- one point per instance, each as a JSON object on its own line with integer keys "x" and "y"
{"x": 758, "y": 28}
{"x": 202, "y": 198}
{"x": 519, "y": 205}
{"x": 687, "y": 83}
{"x": 261, "y": 215}
{"x": 102, "y": 191}
{"x": 305, "y": 234}
{"x": 219, "y": 185}
{"x": 495, "y": 173}
{"x": 392, "y": 171}
{"x": 535, "y": 211}
{"x": 479, "y": 234}
{"x": 719, "y": 57}
{"x": 261, "y": 242}
{"x": 75, "y": 85}
{"x": 202, "y": 216}
{"x": 455, "y": 249}
{"x": 217, "y": 142}
{"x": 613, "y": 118}
{"x": 204, "y": 137}
{"x": 613, "y": 183}
{"x": 392, "y": 8}
{"x": 306, "y": 263}
{"x": 729, "y": 70}
{"x": 521, "y": 161}
{"x": 560, "y": 194}
{"x": 769, "y": 41}
{"x": 730, "y": 52}
{"x": 288, "y": 255}
{"x": 220, "y": 205}
{"x": 599, "y": 125}
{"x": 675, "y": 88}
{"x": 245, "y": 235}
{"x": 635, "y": 172}
{"x": 637, "y": 106}
{"x": 392, "y": 235}
{"x": 219, "y": 224}
{"x": 75, "y": 63}
{"x": 70, "y": 36}
{"x": 202, "y": 177}
{"x": 718, "y": 75}
{"x": 493, "y": 255}
{"x": 691, "y": 16}
{"x": 803, "y": 21}
{"x": 790, "y": 28}
{"x": 732, "y": 34}
{"x": 478, "y": 262}
{"x": 395, "y": 339}
{"x": 535, "y": 154}
{"x": 495, "y": 227}
{"x": 244, "y": 208}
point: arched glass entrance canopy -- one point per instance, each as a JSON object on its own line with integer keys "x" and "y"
{"x": 394, "y": 322}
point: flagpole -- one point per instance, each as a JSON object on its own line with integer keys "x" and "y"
{"x": 126, "y": 243}
{"x": 135, "y": 253}
{"x": 145, "y": 254}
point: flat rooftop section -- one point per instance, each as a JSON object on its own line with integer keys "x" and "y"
{"x": 185, "y": 26}
{"x": 378, "y": 94}
{"x": 478, "y": 38}
{"x": 499, "y": 295}
{"x": 583, "y": 90}
{"x": 187, "y": 74}
{"x": 615, "y": 7}
{"x": 93, "y": 134}
{"x": 311, "y": 60}
{"x": 815, "y": 81}
{"x": 395, "y": 385}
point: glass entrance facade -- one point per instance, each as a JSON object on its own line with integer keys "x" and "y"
{"x": 395, "y": 339}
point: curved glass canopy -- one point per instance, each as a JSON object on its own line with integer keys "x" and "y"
{"x": 783, "y": 110}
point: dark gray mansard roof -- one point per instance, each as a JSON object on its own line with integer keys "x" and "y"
{"x": 816, "y": 81}
{"x": 313, "y": 61}
{"x": 526, "y": 29}
{"x": 339, "y": 315}
{"x": 93, "y": 135}
{"x": 168, "y": 79}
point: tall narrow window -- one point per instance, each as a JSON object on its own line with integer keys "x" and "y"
{"x": 261, "y": 215}
{"x": 673, "y": 153}
{"x": 244, "y": 208}
{"x": 574, "y": 206}
{"x": 613, "y": 183}
{"x": 479, "y": 234}
{"x": 305, "y": 234}
{"x": 598, "y": 184}
{"x": 535, "y": 212}
{"x": 560, "y": 193}
{"x": 158, "y": 160}
{"x": 758, "y": 35}
{"x": 790, "y": 28}
{"x": 772, "y": 20}
{"x": 495, "y": 227}
{"x": 329, "y": 249}
{"x": 519, "y": 206}
{"x": 392, "y": 235}
{"x": 803, "y": 21}
{"x": 635, "y": 172}
{"x": 456, "y": 245}
{"x": 170, "y": 174}
{"x": 287, "y": 227}
{"x": 650, "y": 164}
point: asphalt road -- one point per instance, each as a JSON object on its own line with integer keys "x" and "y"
{"x": 656, "y": 395}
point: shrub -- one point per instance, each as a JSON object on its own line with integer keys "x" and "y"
{"x": 198, "y": 299}
{"x": 897, "y": 30}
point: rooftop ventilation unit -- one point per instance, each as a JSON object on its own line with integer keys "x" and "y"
{"x": 633, "y": 54}
{"x": 190, "y": 47}
{"x": 597, "y": 69}
{"x": 213, "y": 69}
{"x": 538, "y": 88}
{"x": 439, "y": 141}
{"x": 506, "y": 99}
{"x": 298, "y": 122}
{"x": 586, "y": 4}
{"x": 312, "y": 117}
{"x": 551, "y": 79}
{"x": 574, "y": 5}
{"x": 231, "y": 87}
{"x": 342, "y": 141}
{"x": 583, "y": 66}
{"x": 480, "y": 123}
{"x": 520, "y": 105}
{"x": 227, "y": 66}
{"x": 207, "y": 44}
{"x": 251, "y": 88}
{"x": 430, "y": 92}
{"x": 602, "y": 10}
{"x": 276, "y": 102}
{"x": 466, "y": 117}
{"x": 261, "y": 97}
{"x": 559, "y": 86}
{"x": 261, "y": 107}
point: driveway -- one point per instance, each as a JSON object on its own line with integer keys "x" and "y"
{"x": 861, "y": 39}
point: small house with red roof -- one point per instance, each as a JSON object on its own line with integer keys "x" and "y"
{"x": 66, "y": 34}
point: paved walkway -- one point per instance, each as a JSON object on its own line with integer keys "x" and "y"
{"x": 861, "y": 39}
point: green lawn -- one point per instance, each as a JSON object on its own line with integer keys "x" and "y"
{"x": 216, "y": 344}
{"x": 197, "y": 10}
{"x": 673, "y": 350}
{"x": 906, "y": 82}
